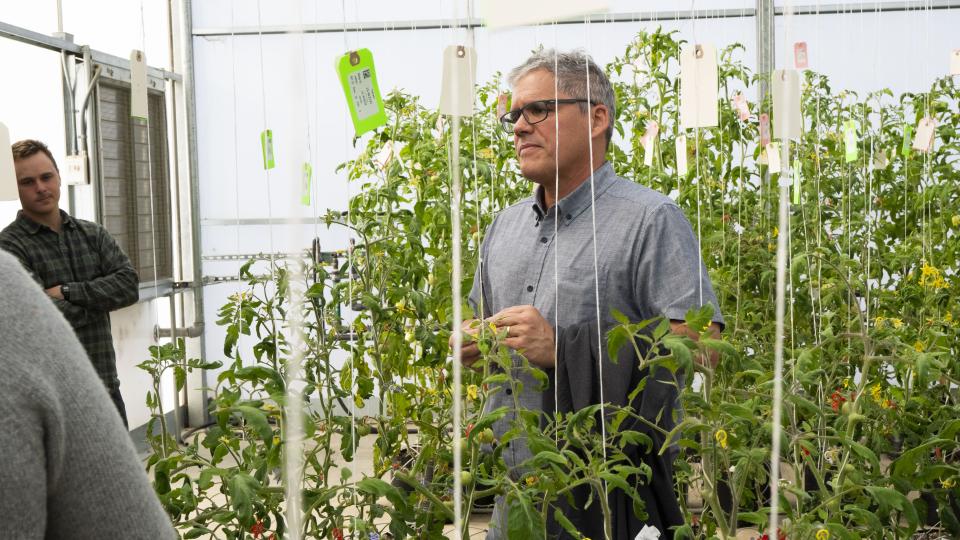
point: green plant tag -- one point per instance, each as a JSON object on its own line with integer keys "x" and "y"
{"x": 305, "y": 184}
{"x": 359, "y": 80}
{"x": 796, "y": 181}
{"x": 266, "y": 144}
{"x": 907, "y": 138}
{"x": 851, "y": 152}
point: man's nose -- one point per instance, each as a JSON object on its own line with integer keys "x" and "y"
{"x": 522, "y": 126}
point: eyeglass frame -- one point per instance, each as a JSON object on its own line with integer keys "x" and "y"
{"x": 504, "y": 123}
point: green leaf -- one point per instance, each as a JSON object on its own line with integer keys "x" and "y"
{"x": 258, "y": 421}
{"x": 243, "y": 490}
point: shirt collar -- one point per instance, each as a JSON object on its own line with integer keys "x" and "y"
{"x": 33, "y": 227}
{"x": 579, "y": 199}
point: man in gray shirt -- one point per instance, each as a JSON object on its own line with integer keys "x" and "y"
{"x": 585, "y": 243}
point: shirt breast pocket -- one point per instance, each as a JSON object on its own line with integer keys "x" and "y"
{"x": 578, "y": 294}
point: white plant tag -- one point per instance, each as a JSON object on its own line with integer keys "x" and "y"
{"x": 773, "y": 157}
{"x": 955, "y": 62}
{"x": 385, "y": 155}
{"x": 648, "y": 532}
{"x": 500, "y": 13}
{"x": 648, "y": 141}
{"x": 786, "y": 104}
{"x": 800, "y": 55}
{"x": 880, "y": 160}
{"x": 698, "y": 87}
{"x": 681, "y": 155}
{"x": 138, "y": 83}
{"x": 8, "y": 175}
{"x": 923, "y": 140}
{"x": 459, "y": 77}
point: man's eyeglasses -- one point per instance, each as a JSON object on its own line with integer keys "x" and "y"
{"x": 535, "y": 111}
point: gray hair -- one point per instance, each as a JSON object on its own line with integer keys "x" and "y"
{"x": 570, "y": 70}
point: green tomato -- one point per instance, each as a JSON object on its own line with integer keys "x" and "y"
{"x": 466, "y": 478}
{"x": 486, "y": 436}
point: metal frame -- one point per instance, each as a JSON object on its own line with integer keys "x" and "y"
{"x": 663, "y": 15}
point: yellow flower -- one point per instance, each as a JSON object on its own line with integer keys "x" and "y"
{"x": 956, "y": 221}
{"x": 721, "y": 436}
{"x": 823, "y": 534}
{"x": 897, "y": 323}
{"x": 878, "y": 322}
{"x": 948, "y": 318}
{"x": 948, "y": 483}
{"x": 876, "y": 393}
{"x": 930, "y": 276}
{"x": 472, "y": 392}
{"x": 776, "y": 232}
{"x": 846, "y": 383}
{"x": 918, "y": 346}
{"x": 531, "y": 480}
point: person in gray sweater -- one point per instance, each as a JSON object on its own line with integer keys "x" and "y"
{"x": 68, "y": 468}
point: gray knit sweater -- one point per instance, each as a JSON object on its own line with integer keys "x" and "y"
{"x": 67, "y": 466}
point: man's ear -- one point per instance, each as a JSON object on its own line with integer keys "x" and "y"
{"x": 600, "y": 120}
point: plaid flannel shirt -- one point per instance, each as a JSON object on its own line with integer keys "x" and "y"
{"x": 99, "y": 275}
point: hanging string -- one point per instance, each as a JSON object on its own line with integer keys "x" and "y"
{"x": 350, "y": 257}
{"x": 556, "y": 228}
{"x": 596, "y": 270}
{"x": 455, "y": 212}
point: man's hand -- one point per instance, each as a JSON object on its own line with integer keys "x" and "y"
{"x": 713, "y": 357}
{"x": 528, "y": 333}
{"x": 469, "y": 352}
{"x": 55, "y": 292}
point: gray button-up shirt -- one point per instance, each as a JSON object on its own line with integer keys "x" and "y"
{"x": 646, "y": 256}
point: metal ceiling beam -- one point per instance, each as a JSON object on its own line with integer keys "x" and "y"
{"x": 647, "y": 16}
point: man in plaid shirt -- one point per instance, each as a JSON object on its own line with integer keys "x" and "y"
{"x": 81, "y": 268}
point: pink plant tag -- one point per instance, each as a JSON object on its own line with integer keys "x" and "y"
{"x": 764, "y": 129}
{"x": 503, "y": 101}
{"x": 800, "y": 54}
{"x": 740, "y": 105}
